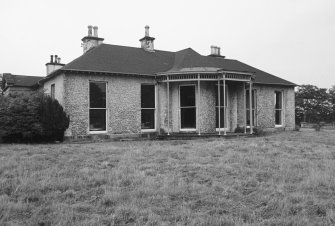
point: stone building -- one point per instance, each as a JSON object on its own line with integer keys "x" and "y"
{"x": 18, "y": 83}
{"x": 126, "y": 91}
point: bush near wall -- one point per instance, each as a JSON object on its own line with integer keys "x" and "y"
{"x": 31, "y": 117}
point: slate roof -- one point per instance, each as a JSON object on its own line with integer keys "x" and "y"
{"x": 122, "y": 59}
{"x": 20, "y": 80}
{"x": 129, "y": 60}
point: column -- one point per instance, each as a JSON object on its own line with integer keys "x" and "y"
{"x": 158, "y": 109}
{"x": 250, "y": 105}
{"x": 245, "y": 108}
{"x": 224, "y": 105}
{"x": 198, "y": 108}
{"x": 168, "y": 103}
{"x": 219, "y": 112}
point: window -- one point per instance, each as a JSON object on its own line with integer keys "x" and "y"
{"x": 97, "y": 110}
{"x": 52, "y": 91}
{"x": 254, "y": 103}
{"x": 278, "y": 108}
{"x": 222, "y": 109}
{"x": 187, "y": 107}
{"x": 148, "y": 107}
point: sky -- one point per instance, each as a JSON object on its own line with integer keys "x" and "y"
{"x": 292, "y": 39}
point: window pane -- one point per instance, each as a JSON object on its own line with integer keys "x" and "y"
{"x": 253, "y": 93}
{"x": 248, "y": 117}
{"x": 188, "y": 117}
{"x": 187, "y": 96}
{"x": 97, "y": 95}
{"x": 53, "y": 91}
{"x": 247, "y": 99}
{"x": 278, "y": 117}
{"x": 222, "y": 118}
{"x": 147, "y": 96}
{"x": 278, "y": 100}
{"x": 97, "y": 120}
{"x": 148, "y": 119}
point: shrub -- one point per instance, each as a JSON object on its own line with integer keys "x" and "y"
{"x": 317, "y": 127}
{"x": 258, "y": 131}
{"x": 53, "y": 119}
{"x": 31, "y": 117}
{"x": 239, "y": 129}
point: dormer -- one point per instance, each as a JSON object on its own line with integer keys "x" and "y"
{"x": 147, "y": 42}
{"x": 91, "y": 40}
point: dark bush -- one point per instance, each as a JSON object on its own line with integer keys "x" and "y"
{"x": 53, "y": 119}
{"x": 31, "y": 117}
{"x": 258, "y": 131}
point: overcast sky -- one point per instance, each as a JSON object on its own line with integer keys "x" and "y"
{"x": 292, "y": 39}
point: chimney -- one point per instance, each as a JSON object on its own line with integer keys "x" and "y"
{"x": 216, "y": 52}
{"x": 95, "y": 29}
{"x": 90, "y": 40}
{"x": 147, "y": 42}
{"x": 89, "y": 30}
{"x": 54, "y": 64}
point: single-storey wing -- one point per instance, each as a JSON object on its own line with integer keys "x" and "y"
{"x": 126, "y": 91}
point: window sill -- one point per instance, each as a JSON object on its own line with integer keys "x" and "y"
{"x": 97, "y": 132}
{"x": 221, "y": 129}
{"x": 148, "y": 130}
{"x": 278, "y": 126}
{"x": 188, "y": 130}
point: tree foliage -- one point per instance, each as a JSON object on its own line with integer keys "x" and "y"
{"x": 314, "y": 104}
{"x": 31, "y": 117}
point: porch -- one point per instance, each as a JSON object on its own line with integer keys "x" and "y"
{"x": 206, "y": 102}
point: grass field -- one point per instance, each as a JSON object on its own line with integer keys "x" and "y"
{"x": 281, "y": 179}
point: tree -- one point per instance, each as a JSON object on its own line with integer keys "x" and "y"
{"x": 313, "y": 104}
{"x": 332, "y": 100}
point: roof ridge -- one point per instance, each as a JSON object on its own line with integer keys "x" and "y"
{"x": 132, "y": 47}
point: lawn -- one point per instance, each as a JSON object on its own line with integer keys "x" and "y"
{"x": 281, "y": 179}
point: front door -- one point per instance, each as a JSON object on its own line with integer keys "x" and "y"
{"x": 187, "y": 107}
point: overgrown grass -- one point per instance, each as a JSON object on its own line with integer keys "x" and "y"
{"x": 282, "y": 179}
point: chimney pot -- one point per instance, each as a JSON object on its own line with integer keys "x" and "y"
{"x": 54, "y": 64}
{"x": 90, "y": 30}
{"x": 147, "y": 31}
{"x": 215, "y": 50}
{"x": 95, "y": 29}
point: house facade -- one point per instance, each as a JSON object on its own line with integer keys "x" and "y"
{"x": 126, "y": 91}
